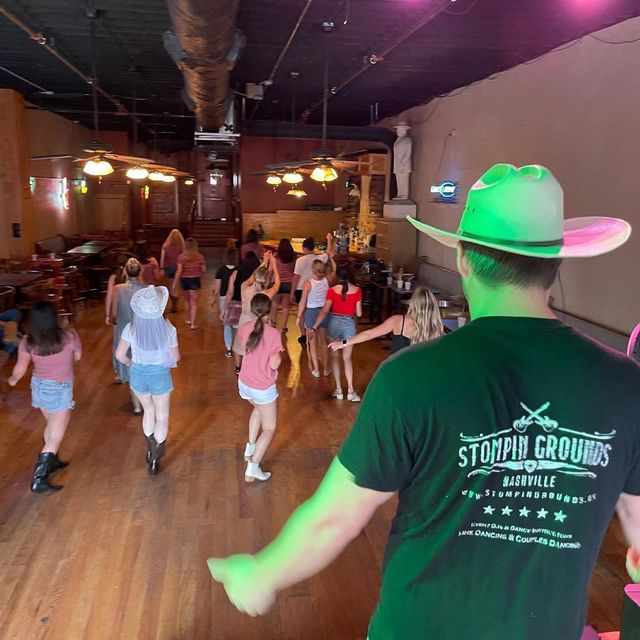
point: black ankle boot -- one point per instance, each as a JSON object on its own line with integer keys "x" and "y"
{"x": 56, "y": 464}
{"x": 158, "y": 452}
{"x": 151, "y": 447}
{"x": 40, "y": 481}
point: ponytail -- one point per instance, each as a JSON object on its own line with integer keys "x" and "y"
{"x": 260, "y": 307}
{"x": 345, "y": 276}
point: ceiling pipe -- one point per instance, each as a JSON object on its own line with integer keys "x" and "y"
{"x": 431, "y": 13}
{"x": 205, "y": 30}
{"x": 65, "y": 61}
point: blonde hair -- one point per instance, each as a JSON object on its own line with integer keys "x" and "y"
{"x": 132, "y": 268}
{"x": 263, "y": 278}
{"x": 425, "y": 313}
{"x": 175, "y": 238}
{"x": 190, "y": 249}
{"x": 318, "y": 268}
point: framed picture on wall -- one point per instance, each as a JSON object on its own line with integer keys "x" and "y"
{"x": 163, "y": 203}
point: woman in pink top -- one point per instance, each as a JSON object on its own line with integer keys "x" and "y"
{"x": 262, "y": 346}
{"x": 285, "y": 262}
{"x": 191, "y": 267}
{"x": 53, "y": 351}
{"x": 171, "y": 249}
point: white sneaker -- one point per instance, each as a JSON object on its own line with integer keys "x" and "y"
{"x": 353, "y": 397}
{"x": 254, "y": 472}
{"x": 327, "y": 373}
{"x": 315, "y": 373}
{"x": 337, "y": 394}
{"x": 249, "y": 450}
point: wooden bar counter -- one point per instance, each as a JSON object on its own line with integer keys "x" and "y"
{"x": 286, "y": 223}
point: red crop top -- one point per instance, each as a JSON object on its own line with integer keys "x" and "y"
{"x": 342, "y": 307}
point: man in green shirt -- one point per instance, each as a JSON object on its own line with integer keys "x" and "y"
{"x": 509, "y": 442}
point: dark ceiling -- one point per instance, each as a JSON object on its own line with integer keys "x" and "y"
{"x": 465, "y": 41}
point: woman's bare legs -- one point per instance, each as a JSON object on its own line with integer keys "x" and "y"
{"x": 347, "y": 353}
{"x": 268, "y": 414}
{"x": 313, "y": 350}
{"x": 285, "y": 303}
{"x": 193, "y": 307}
{"x": 55, "y": 429}
{"x": 335, "y": 368}
{"x": 323, "y": 351}
{"x": 254, "y": 424}
{"x": 187, "y": 305}
{"x": 155, "y": 420}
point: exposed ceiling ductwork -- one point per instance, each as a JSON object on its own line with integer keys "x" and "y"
{"x": 205, "y": 47}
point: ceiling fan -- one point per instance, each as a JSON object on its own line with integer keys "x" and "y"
{"x": 322, "y": 165}
{"x": 98, "y": 153}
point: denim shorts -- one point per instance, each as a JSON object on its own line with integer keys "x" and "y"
{"x": 258, "y": 396}
{"x": 341, "y": 327}
{"x": 51, "y": 395}
{"x": 170, "y": 272}
{"x": 190, "y": 284}
{"x": 311, "y": 315}
{"x": 150, "y": 378}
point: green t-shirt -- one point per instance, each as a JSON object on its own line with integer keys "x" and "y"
{"x": 509, "y": 442}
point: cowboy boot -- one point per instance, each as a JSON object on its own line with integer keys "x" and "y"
{"x": 40, "y": 481}
{"x": 151, "y": 447}
{"x": 56, "y": 463}
{"x": 158, "y": 452}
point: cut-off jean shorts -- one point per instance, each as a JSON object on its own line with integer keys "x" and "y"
{"x": 150, "y": 378}
{"x": 51, "y": 395}
{"x": 341, "y": 327}
{"x": 311, "y": 315}
{"x": 258, "y": 396}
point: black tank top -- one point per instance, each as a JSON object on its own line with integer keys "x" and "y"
{"x": 399, "y": 341}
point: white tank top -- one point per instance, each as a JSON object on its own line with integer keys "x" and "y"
{"x": 318, "y": 293}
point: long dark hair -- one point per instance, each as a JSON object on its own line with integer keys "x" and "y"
{"x": 260, "y": 307}
{"x": 45, "y": 337}
{"x": 345, "y": 276}
{"x": 141, "y": 251}
{"x": 252, "y": 236}
{"x": 286, "y": 253}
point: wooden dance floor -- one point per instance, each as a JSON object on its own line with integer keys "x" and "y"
{"x": 119, "y": 554}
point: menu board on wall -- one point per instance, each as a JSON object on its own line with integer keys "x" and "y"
{"x": 163, "y": 204}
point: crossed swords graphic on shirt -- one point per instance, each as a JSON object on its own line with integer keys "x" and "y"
{"x": 522, "y": 424}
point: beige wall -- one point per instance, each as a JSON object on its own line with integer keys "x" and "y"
{"x": 50, "y": 134}
{"x": 576, "y": 111}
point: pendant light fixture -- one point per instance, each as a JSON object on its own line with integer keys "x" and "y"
{"x": 156, "y": 176}
{"x": 292, "y": 177}
{"x": 137, "y": 173}
{"x": 98, "y": 168}
{"x": 274, "y": 180}
{"x": 95, "y": 167}
{"x": 324, "y": 172}
{"x": 168, "y": 178}
{"x": 297, "y": 193}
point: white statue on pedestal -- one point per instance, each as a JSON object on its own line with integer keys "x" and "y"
{"x": 402, "y": 160}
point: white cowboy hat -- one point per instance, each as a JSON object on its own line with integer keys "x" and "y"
{"x": 150, "y": 302}
{"x": 521, "y": 210}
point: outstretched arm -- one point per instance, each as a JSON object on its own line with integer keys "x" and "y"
{"x": 306, "y": 287}
{"x": 628, "y": 509}
{"x": 312, "y": 538}
{"x": 370, "y": 334}
{"x": 273, "y": 266}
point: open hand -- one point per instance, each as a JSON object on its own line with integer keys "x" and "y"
{"x": 12, "y": 381}
{"x": 248, "y": 591}
{"x": 633, "y": 564}
{"x": 336, "y": 346}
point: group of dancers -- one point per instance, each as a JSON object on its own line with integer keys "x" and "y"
{"x": 250, "y": 288}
